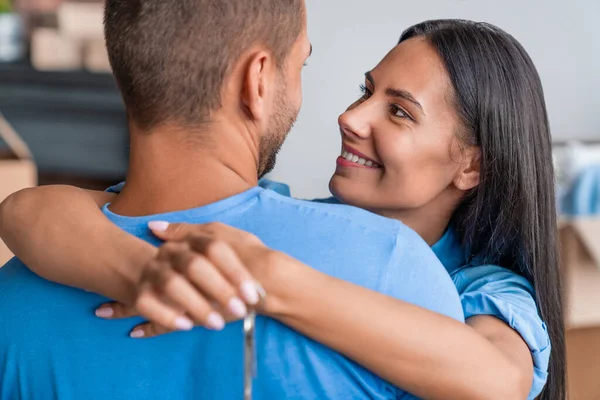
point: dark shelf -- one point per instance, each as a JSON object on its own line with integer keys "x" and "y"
{"x": 24, "y": 73}
{"x": 74, "y": 122}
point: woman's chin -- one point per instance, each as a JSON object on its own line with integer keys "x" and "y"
{"x": 348, "y": 191}
{"x": 335, "y": 185}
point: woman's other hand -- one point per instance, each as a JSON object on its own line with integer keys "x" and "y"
{"x": 203, "y": 275}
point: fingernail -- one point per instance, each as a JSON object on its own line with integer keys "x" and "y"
{"x": 184, "y": 324}
{"x": 159, "y": 226}
{"x": 261, "y": 291}
{"x": 249, "y": 292}
{"x": 215, "y": 322}
{"x": 104, "y": 312}
{"x": 137, "y": 333}
{"x": 237, "y": 307}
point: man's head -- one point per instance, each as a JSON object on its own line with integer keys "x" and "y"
{"x": 190, "y": 63}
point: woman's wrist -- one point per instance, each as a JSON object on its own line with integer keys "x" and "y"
{"x": 285, "y": 281}
{"x": 127, "y": 266}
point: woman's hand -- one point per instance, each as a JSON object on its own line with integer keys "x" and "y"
{"x": 199, "y": 277}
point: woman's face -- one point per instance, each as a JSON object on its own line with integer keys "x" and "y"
{"x": 399, "y": 149}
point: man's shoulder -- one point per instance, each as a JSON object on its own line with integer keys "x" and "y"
{"x": 349, "y": 216}
{"x": 19, "y": 283}
{"x": 343, "y": 225}
{"x": 19, "y": 289}
{"x": 378, "y": 253}
{"x": 14, "y": 270}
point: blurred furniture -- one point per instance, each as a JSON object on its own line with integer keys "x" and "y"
{"x": 12, "y": 37}
{"x": 73, "y": 122}
{"x": 580, "y": 253}
{"x": 74, "y": 42}
{"x": 38, "y": 6}
{"x": 17, "y": 170}
{"x": 577, "y": 165}
{"x": 578, "y": 173}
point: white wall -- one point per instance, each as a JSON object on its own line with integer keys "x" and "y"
{"x": 351, "y": 36}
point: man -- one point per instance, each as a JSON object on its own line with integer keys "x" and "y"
{"x": 212, "y": 88}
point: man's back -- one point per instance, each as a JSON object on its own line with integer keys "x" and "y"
{"x": 52, "y": 345}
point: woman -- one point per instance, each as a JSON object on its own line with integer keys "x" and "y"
{"x": 451, "y": 137}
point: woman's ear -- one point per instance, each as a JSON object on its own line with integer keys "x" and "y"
{"x": 469, "y": 175}
{"x": 256, "y": 85}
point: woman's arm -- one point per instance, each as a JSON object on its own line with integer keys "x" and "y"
{"x": 427, "y": 354}
{"x": 424, "y": 353}
{"x": 61, "y": 234}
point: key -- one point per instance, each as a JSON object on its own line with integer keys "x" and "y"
{"x": 250, "y": 368}
{"x": 249, "y": 354}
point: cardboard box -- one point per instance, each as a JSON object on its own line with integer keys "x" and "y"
{"x": 95, "y": 56}
{"x": 17, "y": 170}
{"x": 81, "y": 21}
{"x": 580, "y": 247}
{"x": 51, "y": 51}
{"x": 37, "y": 6}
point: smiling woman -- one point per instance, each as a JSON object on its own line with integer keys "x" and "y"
{"x": 405, "y": 123}
{"x": 455, "y": 115}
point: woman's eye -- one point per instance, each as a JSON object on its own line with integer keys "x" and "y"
{"x": 366, "y": 92}
{"x": 399, "y": 112}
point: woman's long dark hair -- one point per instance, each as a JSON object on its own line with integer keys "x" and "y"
{"x": 510, "y": 219}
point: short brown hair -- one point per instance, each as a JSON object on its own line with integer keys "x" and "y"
{"x": 171, "y": 57}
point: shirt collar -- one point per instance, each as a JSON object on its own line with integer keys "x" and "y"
{"x": 450, "y": 252}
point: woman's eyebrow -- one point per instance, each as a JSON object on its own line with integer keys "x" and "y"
{"x": 403, "y": 94}
{"x": 399, "y": 93}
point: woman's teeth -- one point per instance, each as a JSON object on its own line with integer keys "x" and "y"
{"x": 358, "y": 160}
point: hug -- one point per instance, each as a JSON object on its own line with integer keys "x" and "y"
{"x": 431, "y": 272}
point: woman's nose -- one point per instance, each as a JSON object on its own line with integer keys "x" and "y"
{"x": 354, "y": 123}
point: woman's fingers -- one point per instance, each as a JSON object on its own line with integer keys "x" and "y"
{"x": 209, "y": 280}
{"x": 170, "y": 232}
{"x": 149, "y": 330}
{"x": 225, "y": 258}
{"x": 176, "y": 289}
{"x": 215, "y": 242}
{"x": 152, "y": 308}
{"x": 197, "y": 279}
{"x": 116, "y": 311}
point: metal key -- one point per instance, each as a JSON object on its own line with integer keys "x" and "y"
{"x": 249, "y": 353}
{"x": 250, "y": 370}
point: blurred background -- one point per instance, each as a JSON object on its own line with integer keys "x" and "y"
{"x": 57, "y": 93}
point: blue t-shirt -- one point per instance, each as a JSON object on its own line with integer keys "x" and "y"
{"x": 487, "y": 290}
{"x": 52, "y": 345}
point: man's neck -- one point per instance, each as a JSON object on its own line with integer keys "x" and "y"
{"x": 177, "y": 170}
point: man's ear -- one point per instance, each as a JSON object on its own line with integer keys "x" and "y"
{"x": 257, "y": 85}
{"x": 469, "y": 175}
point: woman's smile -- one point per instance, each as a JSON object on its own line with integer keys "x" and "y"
{"x": 352, "y": 158}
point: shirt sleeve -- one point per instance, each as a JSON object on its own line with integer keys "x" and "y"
{"x": 495, "y": 291}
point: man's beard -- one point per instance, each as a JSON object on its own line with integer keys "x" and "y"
{"x": 282, "y": 122}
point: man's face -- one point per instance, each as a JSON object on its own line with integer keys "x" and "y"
{"x": 288, "y": 101}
